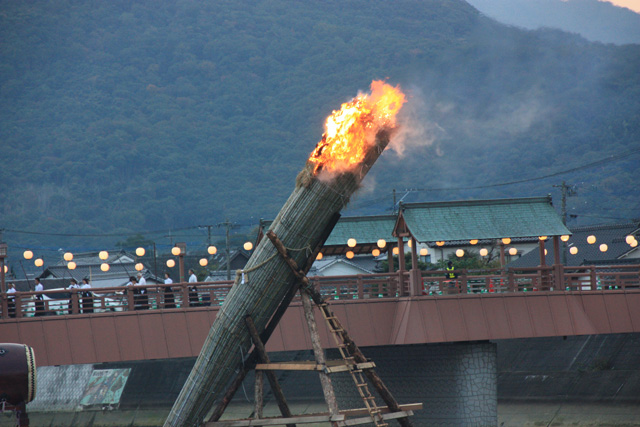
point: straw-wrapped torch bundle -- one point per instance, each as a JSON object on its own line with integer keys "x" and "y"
{"x": 354, "y": 138}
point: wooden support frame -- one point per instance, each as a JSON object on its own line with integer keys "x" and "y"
{"x": 359, "y": 357}
{"x": 252, "y": 359}
{"x": 273, "y": 381}
{"x": 340, "y": 420}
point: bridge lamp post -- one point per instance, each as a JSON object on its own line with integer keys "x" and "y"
{"x": 3, "y": 255}
{"x": 179, "y": 250}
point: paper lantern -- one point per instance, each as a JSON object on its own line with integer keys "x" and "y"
{"x": 565, "y": 237}
{"x": 204, "y": 261}
{"x": 139, "y": 266}
{"x": 473, "y": 241}
{"x": 440, "y": 243}
{"x": 396, "y": 251}
{"x": 103, "y": 255}
{"x": 484, "y": 252}
{"x": 604, "y": 247}
{"x": 71, "y": 265}
{"x": 591, "y": 239}
{"x": 351, "y": 243}
{"x": 68, "y": 256}
{"x": 543, "y": 238}
{"x": 175, "y": 251}
{"x": 634, "y": 244}
{"x": 424, "y": 252}
{"x": 513, "y": 251}
{"x": 409, "y": 243}
{"x": 247, "y": 246}
{"x": 104, "y": 266}
{"x": 140, "y": 251}
{"x": 350, "y": 254}
{"x": 506, "y": 240}
{"x": 171, "y": 263}
{"x": 629, "y": 239}
{"x": 27, "y": 254}
{"x": 375, "y": 252}
{"x": 39, "y": 262}
{"x": 546, "y": 252}
{"x": 382, "y": 243}
{"x": 6, "y": 269}
{"x": 459, "y": 253}
{"x": 212, "y": 250}
{"x": 573, "y": 250}
{"x": 319, "y": 256}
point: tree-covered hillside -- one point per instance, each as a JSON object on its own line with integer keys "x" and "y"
{"x": 130, "y": 116}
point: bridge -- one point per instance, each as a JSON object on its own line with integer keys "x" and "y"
{"x": 116, "y": 324}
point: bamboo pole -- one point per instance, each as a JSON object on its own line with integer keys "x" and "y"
{"x": 250, "y": 362}
{"x": 266, "y": 280}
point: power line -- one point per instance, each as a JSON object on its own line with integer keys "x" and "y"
{"x": 605, "y": 160}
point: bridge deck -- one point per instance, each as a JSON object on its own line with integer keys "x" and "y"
{"x": 373, "y": 308}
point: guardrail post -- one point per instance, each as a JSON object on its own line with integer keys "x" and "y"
{"x": 18, "y": 305}
{"x": 415, "y": 282}
{"x": 5, "y": 306}
{"x": 594, "y": 278}
{"x": 185, "y": 295}
{"x": 511, "y": 280}
{"x": 464, "y": 282}
{"x": 74, "y": 302}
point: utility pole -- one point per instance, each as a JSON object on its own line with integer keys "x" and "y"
{"x": 208, "y": 227}
{"x": 566, "y": 191}
{"x": 228, "y": 225}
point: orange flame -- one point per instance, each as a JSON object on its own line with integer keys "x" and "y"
{"x": 351, "y": 131}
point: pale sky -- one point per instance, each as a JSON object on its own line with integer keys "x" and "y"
{"x": 630, "y": 4}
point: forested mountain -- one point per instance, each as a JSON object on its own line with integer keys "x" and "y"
{"x": 127, "y": 116}
{"x": 596, "y": 20}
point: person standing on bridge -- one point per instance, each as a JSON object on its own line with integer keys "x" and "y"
{"x": 87, "y": 296}
{"x": 11, "y": 300}
{"x": 73, "y": 284}
{"x": 193, "y": 290}
{"x": 169, "y": 299}
{"x": 39, "y": 298}
{"x": 451, "y": 277}
{"x": 143, "y": 296}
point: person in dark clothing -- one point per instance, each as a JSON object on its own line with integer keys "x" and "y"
{"x": 451, "y": 276}
{"x": 87, "y": 296}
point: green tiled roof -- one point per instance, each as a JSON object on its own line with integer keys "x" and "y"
{"x": 483, "y": 219}
{"x": 365, "y": 229}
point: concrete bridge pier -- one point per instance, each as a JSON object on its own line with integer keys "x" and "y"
{"x": 456, "y": 382}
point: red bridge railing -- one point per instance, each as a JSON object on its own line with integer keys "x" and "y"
{"x": 381, "y": 285}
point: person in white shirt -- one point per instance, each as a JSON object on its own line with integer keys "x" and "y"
{"x": 143, "y": 298}
{"x": 87, "y": 296}
{"x": 169, "y": 299}
{"x": 39, "y": 298}
{"x": 193, "y": 291}
{"x": 11, "y": 300}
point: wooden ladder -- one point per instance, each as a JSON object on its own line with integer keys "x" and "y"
{"x": 354, "y": 368}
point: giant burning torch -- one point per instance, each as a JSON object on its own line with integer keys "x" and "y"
{"x": 354, "y": 138}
